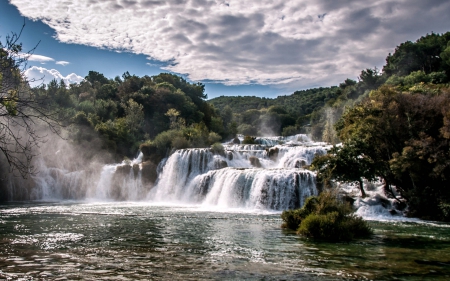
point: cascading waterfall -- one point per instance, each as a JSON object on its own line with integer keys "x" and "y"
{"x": 229, "y": 180}
{"x": 266, "y": 175}
{"x": 119, "y": 182}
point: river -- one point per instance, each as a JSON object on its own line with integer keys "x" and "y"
{"x": 147, "y": 241}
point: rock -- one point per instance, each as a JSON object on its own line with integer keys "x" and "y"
{"x": 254, "y": 161}
{"x": 149, "y": 173}
{"x": 220, "y": 164}
{"x": 273, "y": 153}
{"x": 400, "y": 205}
{"x": 300, "y": 163}
{"x": 230, "y": 155}
{"x": 348, "y": 199}
{"x": 393, "y": 212}
{"x": 136, "y": 170}
{"x": 150, "y": 153}
{"x": 236, "y": 141}
{"x": 121, "y": 173}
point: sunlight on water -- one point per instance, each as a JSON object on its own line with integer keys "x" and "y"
{"x": 136, "y": 240}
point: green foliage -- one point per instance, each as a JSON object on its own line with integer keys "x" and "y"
{"x": 246, "y": 129}
{"x": 217, "y": 148}
{"x": 289, "y": 131}
{"x": 332, "y": 227}
{"x": 348, "y": 163}
{"x": 213, "y": 138}
{"x": 401, "y": 137}
{"x": 252, "y": 114}
{"x": 325, "y": 217}
{"x": 293, "y": 218}
{"x": 163, "y": 141}
{"x": 249, "y": 140}
{"x": 132, "y": 109}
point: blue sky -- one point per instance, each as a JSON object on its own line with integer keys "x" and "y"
{"x": 262, "y": 48}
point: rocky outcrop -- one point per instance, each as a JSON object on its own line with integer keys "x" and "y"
{"x": 254, "y": 161}
{"x": 273, "y": 153}
{"x": 220, "y": 164}
{"x": 149, "y": 173}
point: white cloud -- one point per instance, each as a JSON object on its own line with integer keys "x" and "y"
{"x": 63, "y": 63}
{"x": 38, "y": 75}
{"x": 39, "y": 58}
{"x": 297, "y": 43}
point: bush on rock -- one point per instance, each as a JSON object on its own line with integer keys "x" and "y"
{"x": 326, "y": 217}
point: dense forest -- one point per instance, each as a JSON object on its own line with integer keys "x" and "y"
{"x": 128, "y": 111}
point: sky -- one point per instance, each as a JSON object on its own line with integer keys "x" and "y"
{"x": 262, "y": 48}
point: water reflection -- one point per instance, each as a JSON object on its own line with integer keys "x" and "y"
{"x": 130, "y": 241}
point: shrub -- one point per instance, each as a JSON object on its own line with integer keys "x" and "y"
{"x": 334, "y": 227}
{"x": 217, "y": 148}
{"x": 213, "y": 138}
{"x": 179, "y": 142}
{"x": 246, "y": 129}
{"x": 289, "y": 131}
{"x": 249, "y": 140}
{"x": 327, "y": 218}
{"x": 293, "y": 218}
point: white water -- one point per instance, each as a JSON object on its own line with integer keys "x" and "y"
{"x": 197, "y": 176}
{"x": 200, "y": 178}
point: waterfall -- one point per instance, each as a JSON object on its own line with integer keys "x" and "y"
{"x": 121, "y": 181}
{"x": 267, "y": 175}
{"x": 244, "y": 176}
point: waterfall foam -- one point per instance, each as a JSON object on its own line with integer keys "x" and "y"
{"x": 229, "y": 180}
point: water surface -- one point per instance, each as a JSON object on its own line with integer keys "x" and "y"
{"x": 132, "y": 241}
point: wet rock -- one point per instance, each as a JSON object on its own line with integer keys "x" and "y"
{"x": 254, "y": 161}
{"x": 220, "y": 164}
{"x": 384, "y": 202}
{"x": 400, "y": 205}
{"x": 150, "y": 153}
{"x": 393, "y": 212}
{"x": 236, "y": 141}
{"x": 300, "y": 163}
{"x": 230, "y": 155}
{"x": 136, "y": 170}
{"x": 149, "y": 172}
{"x": 121, "y": 173}
{"x": 349, "y": 199}
{"x": 273, "y": 153}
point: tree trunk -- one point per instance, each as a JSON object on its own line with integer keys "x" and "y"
{"x": 363, "y": 193}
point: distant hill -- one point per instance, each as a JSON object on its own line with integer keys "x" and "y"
{"x": 299, "y": 103}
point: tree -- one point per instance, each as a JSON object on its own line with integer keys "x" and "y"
{"x": 21, "y": 112}
{"x": 402, "y": 138}
{"x": 347, "y": 163}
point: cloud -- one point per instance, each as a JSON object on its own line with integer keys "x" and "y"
{"x": 63, "y": 63}
{"x": 39, "y": 75}
{"x": 39, "y": 58}
{"x": 291, "y": 43}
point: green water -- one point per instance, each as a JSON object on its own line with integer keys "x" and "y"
{"x": 134, "y": 241}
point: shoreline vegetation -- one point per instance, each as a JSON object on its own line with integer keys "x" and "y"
{"x": 394, "y": 123}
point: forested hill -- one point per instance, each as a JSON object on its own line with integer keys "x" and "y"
{"x": 299, "y": 103}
